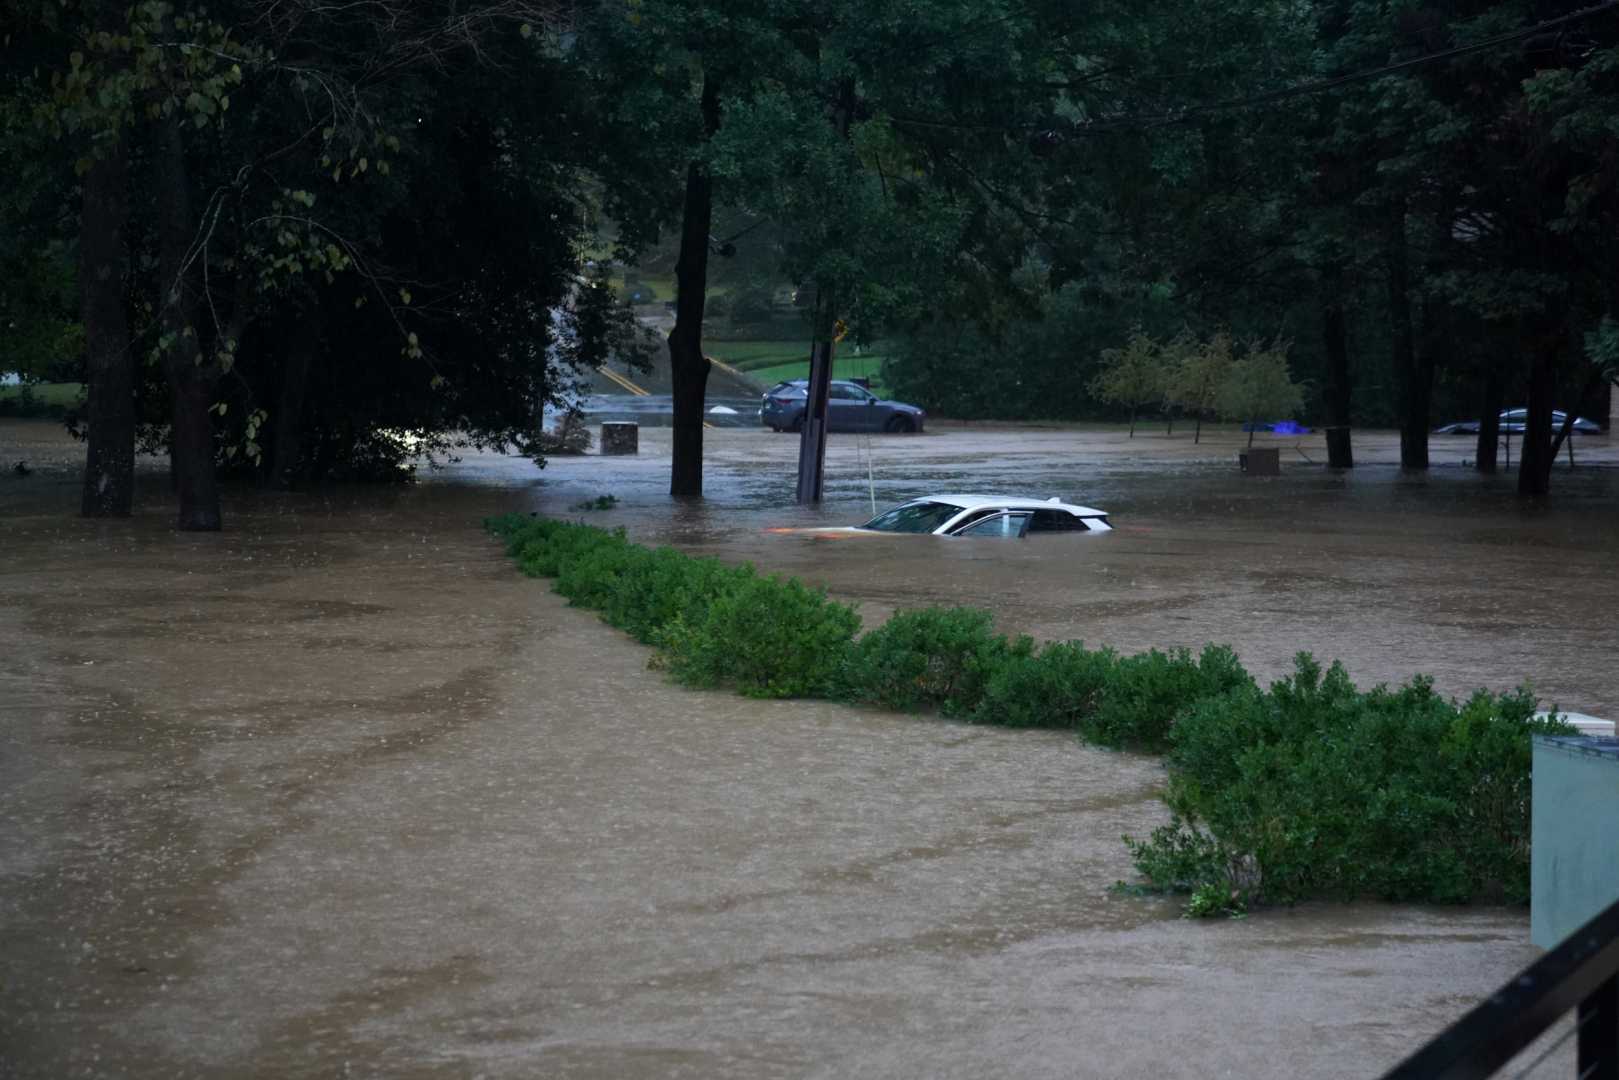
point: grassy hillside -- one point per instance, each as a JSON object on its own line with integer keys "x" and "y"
{"x": 771, "y": 361}
{"x": 39, "y": 399}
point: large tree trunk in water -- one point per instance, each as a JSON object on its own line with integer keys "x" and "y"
{"x": 1340, "y": 454}
{"x": 109, "y": 461}
{"x": 194, "y": 444}
{"x": 1535, "y": 461}
{"x": 190, "y": 377}
{"x": 688, "y": 367}
{"x": 287, "y": 449}
{"x": 1414, "y": 375}
{"x": 1489, "y": 421}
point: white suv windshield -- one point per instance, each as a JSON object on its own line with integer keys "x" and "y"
{"x": 918, "y": 517}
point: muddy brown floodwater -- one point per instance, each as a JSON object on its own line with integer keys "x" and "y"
{"x": 338, "y": 792}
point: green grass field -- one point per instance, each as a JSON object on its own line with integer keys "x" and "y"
{"x": 772, "y": 361}
{"x": 41, "y": 399}
{"x": 748, "y": 355}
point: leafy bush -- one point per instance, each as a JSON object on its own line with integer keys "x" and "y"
{"x": 544, "y": 549}
{"x": 1146, "y": 693}
{"x": 752, "y": 302}
{"x": 571, "y": 436}
{"x": 1316, "y": 789}
{"x": 662, "y": 586}
{"x": 593, "y": 576}
{"x": 765, "y": 636}
{"x": 1058, "y": 687}
{"x": 930, "y": 658}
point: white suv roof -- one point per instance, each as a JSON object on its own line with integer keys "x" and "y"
{"x": 1012, "y": 502}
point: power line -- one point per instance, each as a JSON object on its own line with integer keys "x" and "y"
{"x": 1323, "y": 85}
{"x": 1190, "y": 112}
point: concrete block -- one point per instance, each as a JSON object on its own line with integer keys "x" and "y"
{"x": 1260, "y": 461}
{"x": 621, "y": 437}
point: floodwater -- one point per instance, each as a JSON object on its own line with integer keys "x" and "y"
{"x": 338, "y": 792}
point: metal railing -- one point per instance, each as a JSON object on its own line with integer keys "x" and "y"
{"x": 1581, "y": 974}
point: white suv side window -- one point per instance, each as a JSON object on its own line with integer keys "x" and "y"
{"x": 1011, "y": 525}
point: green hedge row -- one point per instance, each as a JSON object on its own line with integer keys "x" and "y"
{"x": 1311, "y": 788}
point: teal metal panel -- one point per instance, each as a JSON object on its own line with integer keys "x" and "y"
{"x": 1574, "y": 834}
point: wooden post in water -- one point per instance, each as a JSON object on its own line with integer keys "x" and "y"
{"x": 812, "y": 437}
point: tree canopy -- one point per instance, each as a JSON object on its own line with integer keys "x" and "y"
{"x": 298, "y": 240}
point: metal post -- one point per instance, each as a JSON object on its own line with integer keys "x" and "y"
{"x": 1598, "y": 1017}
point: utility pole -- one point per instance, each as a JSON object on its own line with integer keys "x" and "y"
{"x": 812, "y": 437}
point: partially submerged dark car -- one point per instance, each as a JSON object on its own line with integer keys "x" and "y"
{"x": 849, "y": 407}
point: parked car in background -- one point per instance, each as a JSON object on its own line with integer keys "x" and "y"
{"x": 849, "y": 407}
{"x": 975, "y": 515}
{"x": 1512, "y": 423}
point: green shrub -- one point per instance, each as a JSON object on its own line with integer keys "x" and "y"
{"x": 767, "y": 637}
{"x": 664, "y": 585}
{"x": 1058, "y": 687}
{"x": 1146, "y": 693}
{"x": 930, "y": 658}
{"x": 1316, "y": 789}
{"x": 592, "y": 574}
{"x": 542, "y": 547}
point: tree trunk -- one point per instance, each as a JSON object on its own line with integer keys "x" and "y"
{"x": 194, "y": 453}
{"x": 688, "y": 367}
{"x": 287, "y": 449}
{"x": 1336, "y": 398}
{"x": 190, "y": 377}
{"x": 1197, "y": 436}
{"x": 1565, "y": 433}
{"x": 1536, "y": 454}
{"x": 1132, "y": 421}
{"x": 1489, "y": 421}
{"x": 1415, "y": 384}
{"x": 109, "y": 461}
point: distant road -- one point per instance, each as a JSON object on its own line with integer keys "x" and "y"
{"x": 657, "y": 410}
{"x": 620, "y": 392}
